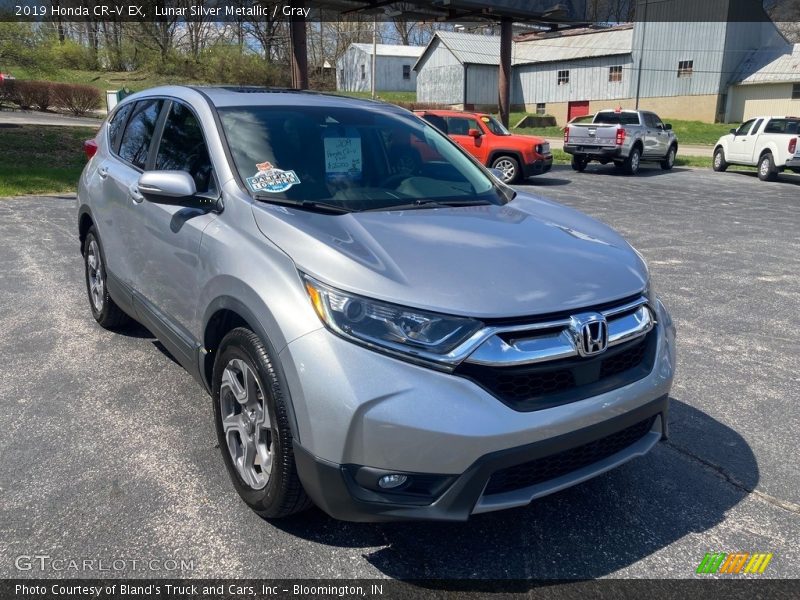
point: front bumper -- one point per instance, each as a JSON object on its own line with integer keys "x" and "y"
{"x": 538, "y": 166}
{"x": 357, "y": 408}
{"x": 594, "y": 151}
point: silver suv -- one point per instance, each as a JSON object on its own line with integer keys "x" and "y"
{"x": 385, "y": 329}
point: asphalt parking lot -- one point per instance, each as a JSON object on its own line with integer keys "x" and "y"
{"x": 108, "y": 449}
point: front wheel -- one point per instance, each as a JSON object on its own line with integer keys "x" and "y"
{"x": 719, "y": 164}
{"x": 633, "y": 162}
{"x": 766, "y": 168}
{"x": 579, "y": 163}
{"x": 669, "y": 159}
{"x": 253, "y": 427}
{"x": 508, "y": 167}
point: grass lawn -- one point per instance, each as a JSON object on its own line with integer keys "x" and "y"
{"x": 35, "y": 159}
{"x": 103, "y": 80}
{"x": 385, "y": 96}
{"x": 692, "y": 133}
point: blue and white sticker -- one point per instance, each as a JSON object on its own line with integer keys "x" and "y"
{"x": 271, "y": 179}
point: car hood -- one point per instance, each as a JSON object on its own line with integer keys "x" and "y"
{"x": 529, "y": 257}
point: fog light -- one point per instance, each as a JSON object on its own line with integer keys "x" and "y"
{"x": 389, "y": 482}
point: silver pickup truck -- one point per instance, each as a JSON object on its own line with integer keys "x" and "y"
{"x": 626, "y": 137}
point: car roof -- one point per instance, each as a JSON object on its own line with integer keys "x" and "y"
{"x": 450, "y": 113}
{"x": 229, "y": 96}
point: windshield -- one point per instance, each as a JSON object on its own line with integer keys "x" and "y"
{"x": 350, "y": 158}
{"x": 495, "y": 126}
{"x": 617, "y": 118}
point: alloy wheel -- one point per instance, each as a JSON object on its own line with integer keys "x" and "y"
{"x": 506, "y": 168}
{"x": 246, "y": 423}
{"x": 97, "y": 283}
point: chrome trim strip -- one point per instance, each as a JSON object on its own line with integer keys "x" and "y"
{"x": 494, "y": 351}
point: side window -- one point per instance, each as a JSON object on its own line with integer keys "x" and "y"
{"x": 139, "y": 132}
{"x": 744, "y": 128}
{"x": 461, "y": 125}
{"x": 756, "y": 126}
{"x": 437, "y": 122}
{"x": 649, "y": 120}
{"x": 116, "y": 124}
{"x": 183, "y": 148}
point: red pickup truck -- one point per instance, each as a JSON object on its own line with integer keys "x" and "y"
{"x": 485, "y": 138}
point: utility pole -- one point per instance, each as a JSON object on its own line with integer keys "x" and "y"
{"x": 374, "y": 52}
{"x": 641, "y": 56}
{"x": 297, "y": 34}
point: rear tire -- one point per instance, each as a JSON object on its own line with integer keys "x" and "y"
{"x": 252, "y": 425}
{"x": 579, "y": 163}
{"x": 719, "y": 164}
{"x": 766, "y": 168}
{"x": 633, "y": 162}
{"x": 669, "y": 159}
{"x": 104, "y": 309}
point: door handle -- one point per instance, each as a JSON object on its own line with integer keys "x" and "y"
{"x": 103, "y": 172}
{"x": 134, "y": 194}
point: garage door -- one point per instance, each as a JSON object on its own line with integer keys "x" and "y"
{"x": 578, "y": 108}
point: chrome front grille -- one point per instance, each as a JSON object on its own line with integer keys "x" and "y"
{"x": 526, "y": 344}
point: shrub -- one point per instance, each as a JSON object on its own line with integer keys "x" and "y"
{"x": 7, "y": 91}
{"x": 77, "y": 99}
{"x": 33, "y": 94}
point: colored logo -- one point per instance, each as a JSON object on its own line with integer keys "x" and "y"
{"x": 734, "y": 564}
{"x": 272, "y": 179}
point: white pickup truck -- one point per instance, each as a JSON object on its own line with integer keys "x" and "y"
{"x": 768, "y": 143}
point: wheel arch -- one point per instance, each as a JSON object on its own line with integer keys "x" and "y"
{"x": 515, "y": 154}
{"x": 223, "y": 315}
{"x": 85, "y": 221}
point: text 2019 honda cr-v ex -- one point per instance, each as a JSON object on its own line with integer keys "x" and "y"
{"x": 386, "y": 330}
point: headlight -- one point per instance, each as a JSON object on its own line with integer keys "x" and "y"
{"x": 538, "y": 148}
{"x": 416, "y": 332}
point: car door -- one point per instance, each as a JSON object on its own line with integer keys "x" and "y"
{"x": 741, "y": 147}
{"x": 458, "y": 130}
{"x": 662, "y": 136}
{"x": 130, "y": 136}
{"x": 651, "y": 138}
{"x": 166, "y": 251}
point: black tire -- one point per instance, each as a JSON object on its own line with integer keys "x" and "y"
{"x": 719, "y": 163}
{"x": 579, "y": 163}
{"x": 619, "y": 164}
{"x": 509, "y": 166}
{"x": 104, "y": 310}
{"x": 669, "y": 159}
{"x": 766, "y": 168}
{"x": 282, "y": 494}
{"x": 633, "y": 162}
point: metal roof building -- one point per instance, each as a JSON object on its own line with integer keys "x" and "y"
{"x": 393, "y": 68}
{"x": 677, "y": 69}
{"x": 766, "y": 83}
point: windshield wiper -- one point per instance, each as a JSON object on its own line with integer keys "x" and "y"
{"x": 429, "y": 204}
{"x": 312, "y": 205}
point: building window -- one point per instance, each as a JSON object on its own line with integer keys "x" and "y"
{"x": 685, "y": 68}
{"x": 563, "y": 77}
{"x": 406, "y": 71}
{"x": 363, "y": 72}
{"x": 796, "y": 91}
{"x": 541, "y": 108}
{"x": 615, "y": 73}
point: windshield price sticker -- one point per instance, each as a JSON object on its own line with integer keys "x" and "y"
{"x": 271, "y": 179}
{"x": 343, "y": 157}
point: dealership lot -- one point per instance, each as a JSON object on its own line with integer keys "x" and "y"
{"x": 109, "y": 448}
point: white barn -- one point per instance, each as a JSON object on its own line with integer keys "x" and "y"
{"x": 393, "y": 68}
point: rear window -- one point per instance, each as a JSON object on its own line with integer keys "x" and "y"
{"x": 782, "y": 126}
{"x": 617, "y": 118}
{"x": 139, "y": 132}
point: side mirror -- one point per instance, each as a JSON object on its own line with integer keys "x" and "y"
{"x": 474, "y": 133}
{"x": 733, "y": 131}
{"x": 668, "y": 126}
{"x": 175, "y": 188}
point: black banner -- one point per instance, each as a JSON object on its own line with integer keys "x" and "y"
{"x": 755, "y": 588}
